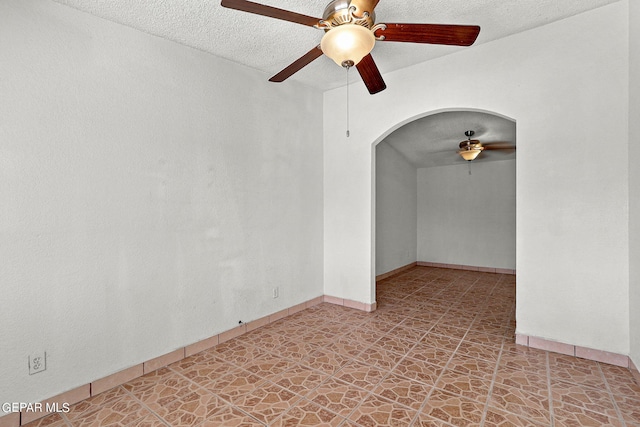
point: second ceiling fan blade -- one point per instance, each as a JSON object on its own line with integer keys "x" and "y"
{"x": 456, "y": 35}
{"x": 297, "y": 65}
{"x": 499, "y": 146}
{"x": 273, "y": 12}
{"x": 371, "y": 75}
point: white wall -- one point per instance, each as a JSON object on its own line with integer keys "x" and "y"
{"x": 152, "y": 196}
{"x": 396, "y": 210}
{"x": 566, "y": 86}
{"x": 634, "y": 178}
{"x": 468, "y": 219}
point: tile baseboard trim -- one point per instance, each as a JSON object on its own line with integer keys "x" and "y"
{"x": 467, "y": 267}
{"x": 362, "y": 306}
{"x": 634, "y": 370}
{"x": 395, "y": 271}
{"x": 16, "y": 419}
{"x": 164, "y": 360}
{"x": 116, "y": 379}
{"x": 602, "y": 356}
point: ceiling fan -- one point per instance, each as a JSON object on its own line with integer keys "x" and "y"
{"x": 471, "y": 148}
{"x": 351, "y": 32}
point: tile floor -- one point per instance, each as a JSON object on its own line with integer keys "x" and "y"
{"x": 439, "y": 351}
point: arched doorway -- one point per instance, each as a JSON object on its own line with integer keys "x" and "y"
{"x": 431, "y": 206}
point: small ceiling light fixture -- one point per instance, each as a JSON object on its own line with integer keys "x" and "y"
{"x": 470, "y": 153}
{"x": 470, "y": 149}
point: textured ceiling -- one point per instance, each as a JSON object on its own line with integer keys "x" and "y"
{"x": 270, "y": 45}
{"x": 433, "y": 140}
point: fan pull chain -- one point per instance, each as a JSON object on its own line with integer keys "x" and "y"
{"x": 347, "y": 100}
{"x": 469, "y": 164}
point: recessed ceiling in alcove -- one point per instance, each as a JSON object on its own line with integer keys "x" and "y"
{"x": 433, "y": 140}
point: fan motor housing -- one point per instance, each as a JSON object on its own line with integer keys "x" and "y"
{"x": 337, "y": 13}
{"x": 469, "y": 143}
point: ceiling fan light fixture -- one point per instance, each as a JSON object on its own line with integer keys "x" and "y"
{"x": 347, "y": 44}
{"x": 470, "y": 153}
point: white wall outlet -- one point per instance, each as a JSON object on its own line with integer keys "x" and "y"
{"x": 276, "y": 292}
{"x": 37, "y": 362}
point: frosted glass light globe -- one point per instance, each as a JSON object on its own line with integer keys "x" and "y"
{"x": 347, "y": 43}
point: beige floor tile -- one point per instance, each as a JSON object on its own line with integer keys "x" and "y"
{"x": 428, "y": 353}
{"x": 528, "y": 405}
{"x": 361, "y": 375}
{"x": 522, "y": 380}
{"x": 338, "y": 396}
{"x": 499, "y": 418}
{"x": 300, "y": 379}
{"x": 377, "y": 411}
{"x": 234, "y": 384}
{"x": 120, "y": 412}
{"x": 266, "y": 403}
{"x": 592, "y": 399}
{"x": 453, "y": 409}
{"x": 385, "y": 355}
{"x": 229, "y": 416}
{"x": 95, "y": 403}
{"x": 629, "y": 407}
{"x": 326, "y": 361}
{"x": 309, "y": 414}
{"x": 574, "y": 416}
{"x": 403, "y": 390}
{"x": 395, "y": 343}
{"x": 474, "y": 388}
{"x": 188, "y": 410}
{"x": 471, "y": 366}
{"x": 418, "y": 370}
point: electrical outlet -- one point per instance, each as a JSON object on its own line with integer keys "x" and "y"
{"x": 37, "y": 362}
{"x": 276, "y": 292}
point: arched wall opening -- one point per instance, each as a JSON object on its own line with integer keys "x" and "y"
{"x": 430, "y": 206}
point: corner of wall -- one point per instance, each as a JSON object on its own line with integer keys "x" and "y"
{"x": 634, "y": 186}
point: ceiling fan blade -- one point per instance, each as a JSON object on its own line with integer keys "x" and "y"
{"x": 272, "y": 12}
{"x": 498, "y": 146}
{"x": 363, "y": 6}
{"x": 371, "y": 75}
{"x": 456, "y": 35}
{"x": 297, "y": 65}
